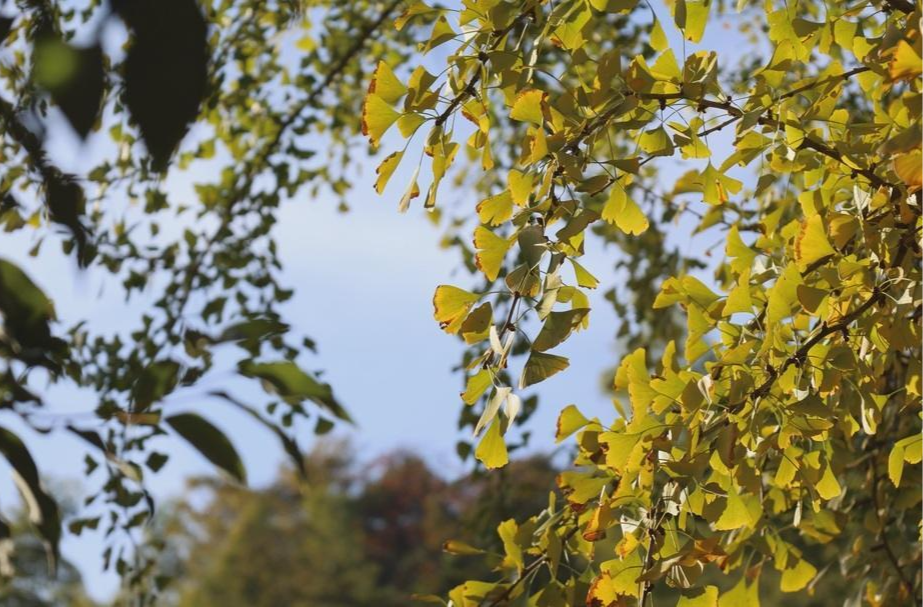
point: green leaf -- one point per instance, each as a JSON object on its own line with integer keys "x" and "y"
{"x": 289, "y": 444}
{"x": 290, "y": 382}
{"x": 558, "y": 326}
{"x": 699, "y": 597}
{"x": 210, "y": 442}
{"x": 43, "y": 510}
{"x": 540, "y": 367}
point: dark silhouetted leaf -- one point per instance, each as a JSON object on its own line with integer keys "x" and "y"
{"x": 289, "y": 444}
{"x": 290, "y": 382}
{"x": 210, "y": 442}
{"x": 155, "y": 382}
{"x": 75, "y": 78}
{"x": 43, "y": 510}
{"x": 165, "y": 70}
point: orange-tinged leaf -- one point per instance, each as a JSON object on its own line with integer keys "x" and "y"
{"x": 377, "y": 117}
{"x": 451, "y": 306}
{"x": 906, "y": 63}
{"x": 386, "y": 169}
{"x": 909, "y": 167}
{"x": 386, "y": 85}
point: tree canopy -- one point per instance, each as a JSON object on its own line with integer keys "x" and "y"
{"x": 767, "y": 405}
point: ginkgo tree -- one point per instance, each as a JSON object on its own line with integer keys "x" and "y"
{"x": 782, "y": 413}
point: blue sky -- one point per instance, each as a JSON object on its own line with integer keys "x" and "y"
{"x": 364, "y": 282}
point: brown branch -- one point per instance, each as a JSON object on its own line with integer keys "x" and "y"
{"x": 469, "y": 88}
{"x": 883, "y": 534}
{"x": 904, "y": 6}
{"x": 801, "y": 353}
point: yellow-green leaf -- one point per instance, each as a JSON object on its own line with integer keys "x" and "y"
{"x": 569, "y": 421}
{"x": 377, "y": 117}
{"x": 386, "y": 85}
{"x": 491, "y": 451}
{"x": 540, "y": 367}
{"x": 529, "y": 107}
{"x": 386, "y": 169}
{"x": 451, "y": 306}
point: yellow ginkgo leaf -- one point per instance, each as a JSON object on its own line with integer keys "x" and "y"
{"x": 811, "y": 244}
{"x": 386, "y": 85}
{"x": 491, "y": 451}
{"x": 377, "y": 117}
{"x": 624, "y": 212}
{"x": 656, "y": 142}
{"x": 529, "y": 107}
{"x": 909, "y": 167}
{"x": 386, "y": 169}
{"x": 735, "y": 515}
{"x": 906, "y": 63}
{"x": 496, "y": 209}
{"x": 520, "y": 187}
{"x": 797, "y": 577}
{"x": 491, "y": 250}
{"x": 451, "y": 306}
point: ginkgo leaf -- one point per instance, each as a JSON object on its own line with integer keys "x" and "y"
{"x": 386, "y": 169}
{"x": 828, "y": 487}
{"x": 521, "y": 185}
{"x": 496, "y": 210}
{"x": 412, "y": 191}
{"x": 739, "y": 300}
{"x": 476, "y": 386}
{"x": 476, "y": 326}
{"x": 451, "y": 306}
{"x": 797, "y": 577}
{"x": 691, "y": 17}
{"x": 492, "y": 408}
{"x": 699, "y": 597}
{"x": 491, "y": 251}
{"x": 558, "y": 326}
{"x": 386, "y": 85}
{"x": 377, "y": 117}
{"x": 909, "y": 168}
{"x": 656, "y": 142}
{"x": 742, "y": 255}
{"x": 811, "y": 243}
{"x": 442, "y": 32}
{"x": 529, "y": 107}
{"x": 741, "y": 595}
{"x": 583, "y": 276}
{"x": 906, "y": 63}
{"x": 540, "y": 367}
{"x": 908, "y": 450}
{"x": 658, "y": 39}
{"x": 569, "y": 421}
{"x": 408, "y": 123}
{"x": 491, "y": 451}
{"x": 624, "y": 212}
{"x": 735, "y": 514}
